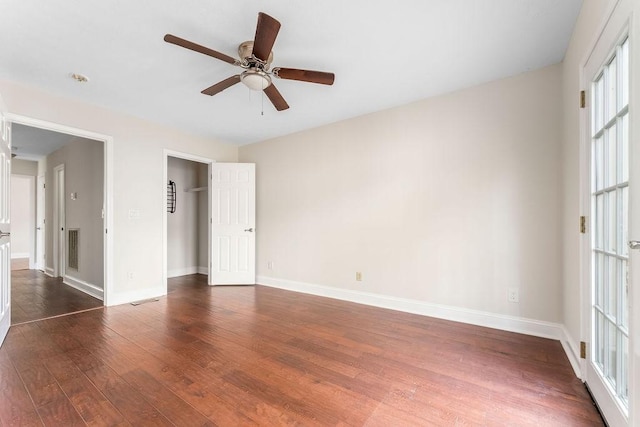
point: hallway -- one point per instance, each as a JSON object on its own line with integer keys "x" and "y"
{"x": 36, "y": 296}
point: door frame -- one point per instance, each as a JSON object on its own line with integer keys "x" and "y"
{"x": 59, "y": 221}
{"x": 108, "y": 144}
{"x": 41, "y": 230}
{"x": 165, "y": 176}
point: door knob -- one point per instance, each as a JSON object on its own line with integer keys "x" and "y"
{"x": 250, "y": 230}
{"x": 634, "y": 244}
{"x": 3, "y": 234}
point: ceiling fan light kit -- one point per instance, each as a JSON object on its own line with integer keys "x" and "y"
{"x": 256, "y": 57}
{"x": 255, "y": 79}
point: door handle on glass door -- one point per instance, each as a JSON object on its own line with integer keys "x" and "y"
{"x": 250, "y": 230}
{"x": 634, "y": 244}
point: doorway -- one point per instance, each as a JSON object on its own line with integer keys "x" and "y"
{"x": 69, "y": 271}
{"x": 186, "y": 220}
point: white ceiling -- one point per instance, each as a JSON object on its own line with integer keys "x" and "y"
{"x": 384, "y": 54}
{"x": 29, "y": 143}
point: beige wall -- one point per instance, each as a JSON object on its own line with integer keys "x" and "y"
{"x": 24, "y": 167}
{"x": 450, "y": 200}
{"x": 23, "y": 215}
{"x": 138, "y": 183}
{"x": 83, "y": 162}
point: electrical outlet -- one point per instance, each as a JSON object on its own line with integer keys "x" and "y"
{"x": 513, "y": 295}
{"x": 130, "y": 275}
{"x": 358, "y": 276}
{"x": 270, "y": 265}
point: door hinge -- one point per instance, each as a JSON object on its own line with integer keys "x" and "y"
{"x": 583, "y": 99}
{"x": 583, "y": 350}
{"x": 583, "y": 224}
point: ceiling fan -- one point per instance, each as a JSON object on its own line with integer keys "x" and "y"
{"x": 255, "y": 58}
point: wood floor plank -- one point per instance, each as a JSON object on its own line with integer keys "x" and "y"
{"x": 261, "y": 356}
{"x": 60, "y": 413}
{"x": 175, "y": 409}
{"x": 16, "y": 406}
{"x": 123, "y": 396}
{"x": 42, "y": 386}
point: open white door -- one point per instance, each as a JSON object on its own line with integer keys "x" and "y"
{"x": 5, "y": 224}
{"x": 233, "y": 242}
{"x": 613, "y": 187}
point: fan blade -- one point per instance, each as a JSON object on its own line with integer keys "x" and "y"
{"x": 170, "y": 38}
{"x": 220, "y": 86}
{"x": 266, "y": 33}
{"x": 276, "y": 99}
{"x": 305, "y": 75}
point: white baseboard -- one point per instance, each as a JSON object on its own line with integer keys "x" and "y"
{"x": 572, "y": 349}
{"x": 203, "y": 270}
{"x": 177, "y": 272}
{"x": 503, "y": 322}
{"x": 18, "y": 255}
{"x": 5, "y": 324}
{"x": 83, "y": 286}
{"x": 138, "y": 295}
{"x": 48, "y": 271}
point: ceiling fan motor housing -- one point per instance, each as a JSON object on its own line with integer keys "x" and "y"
{"x": 245, "y": 52}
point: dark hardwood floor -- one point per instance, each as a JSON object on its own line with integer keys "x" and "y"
{"x": 233, "y": 356}
{"x": 36, "y": 296}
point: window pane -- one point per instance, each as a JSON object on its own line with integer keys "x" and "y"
{"x": 624, "y": 149}
{"x": 624, "y": 219}
{"x": 599, "y": 340}
{"x": 599, "y": 222}
{"x": 624, "y": 381}
{"x": 599, "y": 280}
{"x": 611, "y": 92}
{"x": 624, "y": 63}
{"x": 612, "y": 219}
{"x": 624, "y": 293}
{"x": 611, "y": 356}
{"x": 611, "y": 286}
{"x": 599, "y": 164}
{"x": 599, "y": 104}
{"x": 611, "y": 159}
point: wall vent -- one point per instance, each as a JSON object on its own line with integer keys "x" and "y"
{"x": 73, "y": 248}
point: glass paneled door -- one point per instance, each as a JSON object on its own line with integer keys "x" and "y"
{"x": 609, "y": 137}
